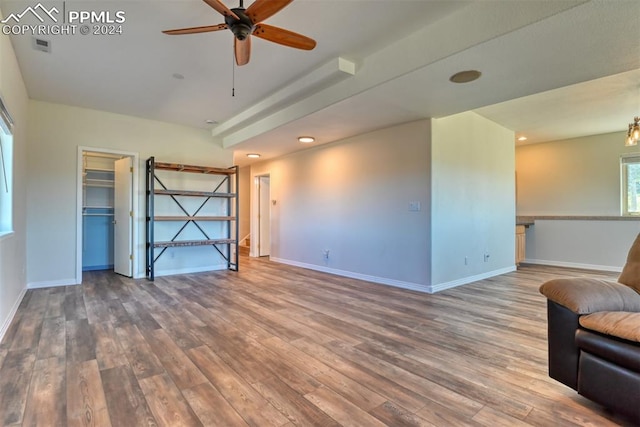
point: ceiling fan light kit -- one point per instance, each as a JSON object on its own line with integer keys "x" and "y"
{"x": 244, "y": 23}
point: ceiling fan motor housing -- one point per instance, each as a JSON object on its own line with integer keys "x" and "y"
{"x": 242, "y": 27}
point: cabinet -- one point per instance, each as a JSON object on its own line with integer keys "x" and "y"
{"x": 520, "y": 243}
{"x": 189, "y": 206}
{"x": 97, "y": 211}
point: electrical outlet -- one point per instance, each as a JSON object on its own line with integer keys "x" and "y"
{"x": 466, "y": 260}
{"x": 326, "y": 253}
{"x": 486, "y": 257}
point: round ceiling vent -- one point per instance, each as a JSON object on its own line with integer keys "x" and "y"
{"x": 465, "y": 76}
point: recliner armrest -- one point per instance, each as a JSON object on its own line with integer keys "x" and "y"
{"x": 586, "y": 296}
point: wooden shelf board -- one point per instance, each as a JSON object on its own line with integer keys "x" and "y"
{"x": 193, "y": 193}
{"x": 180, "y": 243}
{"x": 193, "y": 169}
{"x": 194, "y": 218}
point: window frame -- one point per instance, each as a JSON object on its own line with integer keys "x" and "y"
{"x": 6, "y": 171}
{"x": 625, "y": 161}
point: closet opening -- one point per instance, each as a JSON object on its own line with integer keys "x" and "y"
{"x": 106, "y": 217}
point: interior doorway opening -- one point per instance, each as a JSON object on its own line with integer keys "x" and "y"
{"x": 106, "y": 212}
{"x": 263, "y": 232}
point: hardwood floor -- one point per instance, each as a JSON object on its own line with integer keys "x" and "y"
{"x": 275, "y": 345}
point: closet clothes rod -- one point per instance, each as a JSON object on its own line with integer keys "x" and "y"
{"x": 97, "y": 214}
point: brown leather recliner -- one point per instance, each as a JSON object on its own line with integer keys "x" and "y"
{"x": 594, "y": 336}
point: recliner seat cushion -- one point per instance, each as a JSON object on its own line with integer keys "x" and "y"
{"x": 630, "y": 275}
{"x": 620, "y": 324}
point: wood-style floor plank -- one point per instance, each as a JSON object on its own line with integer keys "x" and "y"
{"x": 46, "y": 400}
{"x": 143, "y": 361}
{"x": 292, "y": 405}
{"x": 251, "y": 406}
{"x": 79, "y": 341}
{"x": 53, "y": 338}
{"x": 181, "y": 369}
{"x": 86, "y": 402}
{"x": 125, "y": 399}
{"x": 341, "y": 409}
{"x": 167, "y": 403}
{"x": 15, "y": 376}
{"x": 109, "y": 352}
{"x": 211, "y": 407}
{"x": 275, "y": 345}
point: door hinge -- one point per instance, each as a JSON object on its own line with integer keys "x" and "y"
{"x": 131, "y": 214}
{"x": 131, "y": 169}
{"x": 131, "y": 257}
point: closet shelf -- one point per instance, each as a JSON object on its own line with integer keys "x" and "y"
{"x": 92, "y": 182}
{"x": 95, "y": 169}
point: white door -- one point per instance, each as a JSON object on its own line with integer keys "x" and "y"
{"x": 123, "y": 217}
{"x": 264, "y": 219}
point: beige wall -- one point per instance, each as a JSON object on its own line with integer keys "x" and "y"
{"x": 13, "y": 247}
{"x": 473, "y": 199}
{"x": 55, "y": 132}
{"x": 352, "y": 198}
{"x": 579, "y": 176}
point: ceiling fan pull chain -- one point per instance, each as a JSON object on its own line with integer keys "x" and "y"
{"x": 233, "y": 76}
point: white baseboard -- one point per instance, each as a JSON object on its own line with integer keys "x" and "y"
{"x": 470, "y": 279}
{"x": 160, "y": 273}
{"x": 573, "y": 265}
{"x": 51, "y": 283}
{"x": 397, "y": 283}
{"x": 380, "y": 280}
{"x": 12, "y": 313}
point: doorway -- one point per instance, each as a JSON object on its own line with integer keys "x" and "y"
{"x": 264, "y": 215}
{"x": 107, "y": 181}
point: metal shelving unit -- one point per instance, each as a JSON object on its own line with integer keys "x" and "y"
{"x": 226, "y": 189}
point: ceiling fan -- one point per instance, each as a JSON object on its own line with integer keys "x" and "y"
{"x": 247, "y": 22}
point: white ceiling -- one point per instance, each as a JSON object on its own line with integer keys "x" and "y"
{"x": 550, "y": 69}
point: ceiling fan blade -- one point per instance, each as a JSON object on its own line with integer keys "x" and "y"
{"x": 221, "y": 8}
{"x": 195, "y": 30}
{"x": 242, "y": 50}
{"x": 262, "y": 9}
{"x": 283, "y": 37}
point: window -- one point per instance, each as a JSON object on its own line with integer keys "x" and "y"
{"x": 630, "y": 170}
{"x": 6, "y": 171}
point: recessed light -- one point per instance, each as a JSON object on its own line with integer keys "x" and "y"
{"x": 178, "y": 76}
{"x": 253, "y": 155}
{"x": 306, "y": 139}
{"x": 465, "y": 76}
{"x": 211, "y": 122}
{"x": 522, "y": 138}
